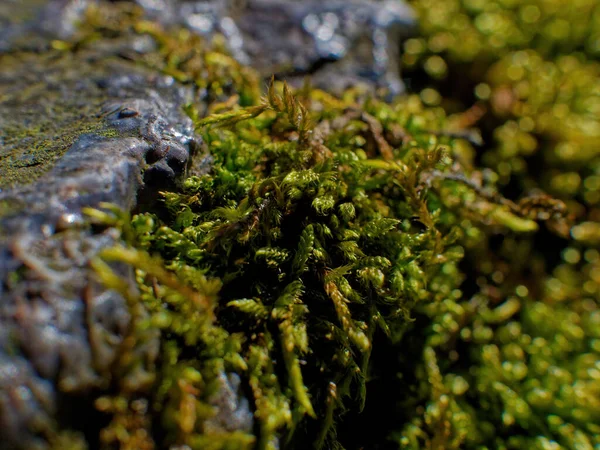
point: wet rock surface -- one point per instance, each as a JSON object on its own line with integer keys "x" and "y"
{"x": 81, "y": 128}
{"x": 340, "y": 43}
{"x": 78, "y": 130}
{"x": 59, "y": 329}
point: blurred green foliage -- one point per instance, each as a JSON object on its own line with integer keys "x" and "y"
{"x": 532, "y": 67}
{"x": 523, "y": 362}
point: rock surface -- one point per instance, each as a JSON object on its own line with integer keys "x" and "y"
{"x": 80, "y": 128}
{"x": 57, "y": 327}
{"x": 339, "y": 42}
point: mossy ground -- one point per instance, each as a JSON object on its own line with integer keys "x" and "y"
{"x": 345, "y": 252}
{"x": 314, "y": 232}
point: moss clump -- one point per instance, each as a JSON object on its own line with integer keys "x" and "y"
{"x": 174, "y": 51}
{"x": 513, "y": 365}
{"x": 476, "y": 30}
{"x": 311, "y": 234}
{"x": 42, "y": 104}
{"x": 510, "y": 383}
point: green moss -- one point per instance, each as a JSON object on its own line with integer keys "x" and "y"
{"x": 27, "y": 10}
{"x": 32, "y": 152}
{"x": 10, "y": 206}
{"x": 187, "y": 57}
{"x": 515, "y": 383}
{"x": 532, "y": 69}
{"x": 471, "y": 30}
{"x": 345, "y": 248}
{"x": 321, "y": 233}
{"x": 42, "y": 107}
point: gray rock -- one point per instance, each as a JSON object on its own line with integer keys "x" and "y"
{"x": 233, "y": 409}
{"x": 32, "y": 24}
{"x": 339, "y": 43}
{"x": 60, "y": 330}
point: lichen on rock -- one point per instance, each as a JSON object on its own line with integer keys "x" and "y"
{"x": 323, "y": 235}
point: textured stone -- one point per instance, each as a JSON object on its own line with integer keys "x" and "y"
{"x": 340, "y": 43}
{"x": 59, "y": 330}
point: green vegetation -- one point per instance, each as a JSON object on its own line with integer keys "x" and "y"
{"x": 346, "y": 251}
{"x": 310, "y": 234}
{"x": 515, "y": 365}
{"x": 528, "y": 71}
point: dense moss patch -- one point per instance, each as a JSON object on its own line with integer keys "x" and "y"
{"x": 310, "y": 233}
{"x": 345, "y": 251}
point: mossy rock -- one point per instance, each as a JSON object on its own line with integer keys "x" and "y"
{"x": 326, "y": 254}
